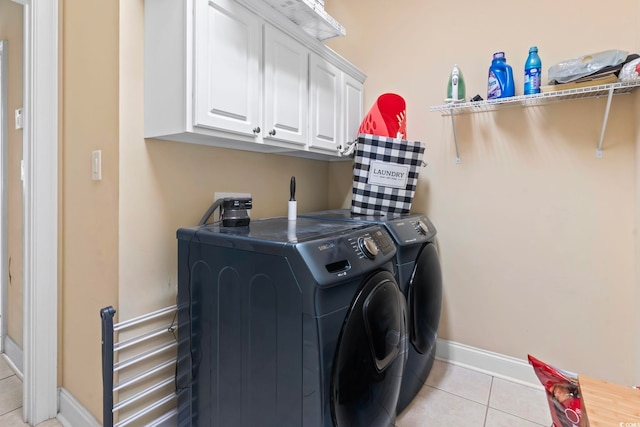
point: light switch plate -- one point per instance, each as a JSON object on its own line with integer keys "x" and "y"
{"x": 19, "y": 124}
{"x": 96, "y": 165}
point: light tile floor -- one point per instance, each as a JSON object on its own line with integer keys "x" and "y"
{"x": 457, "y": 396}
{"x": 11, "y": 399}
{"x": 452, "y": 397}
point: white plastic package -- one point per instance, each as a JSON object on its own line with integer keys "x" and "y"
{"x": 630, "y": 71}
{"x": 573, "y": 69}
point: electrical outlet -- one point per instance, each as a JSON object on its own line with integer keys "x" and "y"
{"x": 221, "y": 195}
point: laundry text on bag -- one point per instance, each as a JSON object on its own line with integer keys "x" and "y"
{"x": 388, "y": 174}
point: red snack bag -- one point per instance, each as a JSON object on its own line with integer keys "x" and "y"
{"x": 563, "y": 394}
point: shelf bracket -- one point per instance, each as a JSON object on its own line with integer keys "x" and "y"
{"x": 455, "y": 136}
{"x": 604, "y": 123}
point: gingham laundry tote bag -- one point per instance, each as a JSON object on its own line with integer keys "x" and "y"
{"x": 385, "y": 174}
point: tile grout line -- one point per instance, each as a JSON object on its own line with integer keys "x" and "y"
{"x": 487, "y": 405}
{"x": 510, "y": 413}
{"x": 523, "y": 419}
{"x": 456, "y": 395}
{"x": 493, "y": 382}
{"x": 14, "y": 409}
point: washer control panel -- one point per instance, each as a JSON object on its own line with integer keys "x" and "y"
{"x": 348, "y": 254}
{"x": 370, "y": 244}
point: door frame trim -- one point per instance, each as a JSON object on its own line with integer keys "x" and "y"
{"x": 4, "y": 235}
{"x": 40, "y": 217}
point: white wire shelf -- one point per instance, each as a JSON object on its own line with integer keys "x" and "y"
{"x": 607, "y": 90}
{"x": 536, "y": 99}
{"x": 311, "y": 17}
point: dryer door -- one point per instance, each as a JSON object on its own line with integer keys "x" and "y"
{"x": 425, "y": 299}
{"x": 368, "y": 364}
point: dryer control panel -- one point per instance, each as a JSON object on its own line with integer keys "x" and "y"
{"x": 412, "y": 230}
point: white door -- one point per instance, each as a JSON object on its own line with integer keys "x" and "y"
{"x": 286, "y": 77}
{"x": 227, "y": 67}
{"x": 325, "y": 104}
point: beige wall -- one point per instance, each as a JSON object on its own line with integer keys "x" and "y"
{"x": 536, "y": 235}
{"x": 11, "y": 30}
{"x": 89, "y": 209}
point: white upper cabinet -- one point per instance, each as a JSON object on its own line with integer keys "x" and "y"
{"x": 286, "y": 77}
{"x": 326, "y": 103}
{"x": 238, "y": 74}
{"x": 352, "y": 101}
{"x": 336, "y": 106}
{"x": 227, "y": 66}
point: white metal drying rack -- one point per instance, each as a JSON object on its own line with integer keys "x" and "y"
{"x": 610, "y": 89}
{"x": 164, "y": 353}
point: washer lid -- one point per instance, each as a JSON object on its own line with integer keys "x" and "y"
{"x": 275, "y": 230}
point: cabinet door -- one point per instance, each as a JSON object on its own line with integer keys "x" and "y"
{"x": 352, "y": 92}
{"x": 286, "y": 107}
{"x": 326, "y": 104}
{"x": 227, "y": 67}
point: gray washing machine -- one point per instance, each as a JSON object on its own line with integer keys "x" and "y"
{"x": 289, "y": 324}
{"x": 419, "y": 276}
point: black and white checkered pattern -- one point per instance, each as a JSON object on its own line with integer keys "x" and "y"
{"x": 370, "y": 199}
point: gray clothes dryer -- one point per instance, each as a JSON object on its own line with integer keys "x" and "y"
{"x": 289, "y": 324}
{"x": 419, "y": 276}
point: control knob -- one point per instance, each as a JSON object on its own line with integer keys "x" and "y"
{"x": 368, "y": 247}
{"x": 424, "y": 229}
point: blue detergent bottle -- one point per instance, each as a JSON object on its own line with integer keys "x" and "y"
{"x": 532, "y": 72}
{"x": 500, "y": 84}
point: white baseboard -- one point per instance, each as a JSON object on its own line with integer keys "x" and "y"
{"x": 15, "y": 356}
{"x": 71, "y": 413}
{"x": 494, "y": 364}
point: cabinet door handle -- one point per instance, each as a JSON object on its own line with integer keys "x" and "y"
{"x": 272, "y": 132}
{"x": 256, "y": 129}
